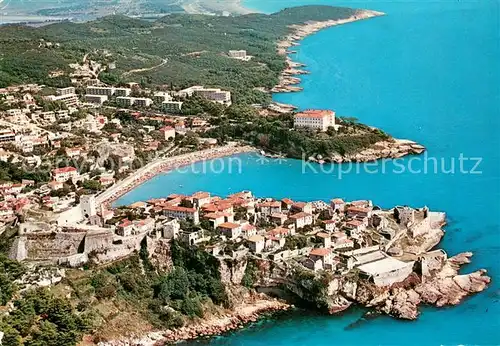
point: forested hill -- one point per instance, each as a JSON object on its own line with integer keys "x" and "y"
{"x": 193, "y": 44}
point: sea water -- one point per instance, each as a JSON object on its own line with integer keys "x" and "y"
{"x": 427, "y": 71}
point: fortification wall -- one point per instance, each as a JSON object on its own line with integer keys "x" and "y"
{"x": 98, "y": 241}
{"x": 50, "y": 245}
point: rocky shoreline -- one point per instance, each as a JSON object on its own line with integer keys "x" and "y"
{"x": 390, "y": 149}
{"x": 232, "y": 319}
{"x": 165, "y": 165}
{"x": 288, "y": 80}
{"x": 445, "y": 287}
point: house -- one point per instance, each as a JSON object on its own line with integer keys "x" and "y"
{"x": 106, "y": 181}
{"x": 168, "y": 133}
{"x": 64, "y": 174}
{"x": 325, "y": 238}
{"x": 230, "y": 229}
{"x": 286, "y": 204}
{"x": 145, "y": 226}
{"x": 337, "y": 205}
{"x": 301, "y": 219}
{"x": 355, "y": 225}
{"x": 183, "y": 213}
{"x": 329, "y": 225}
{"x": 359, "y": 212}
{"x": 343, "y": 243}
{"x": 56, "y": 185}
{"x": 256, "y": 243}
{"x": 281, "y": 232}
{"x": 315, "y": 119}
{"x": 248, "y": 230}
{"x": 269, "y": 207}
{"x": 323, "y": 254}
{"x": 278, "y": 218}
{"x": 313, "y": 264}
{"x": 218, "y": 218}
{"x": 125, "y": 228}
{"x": 73, "y": 152}
{"x": 273, "y": 243}
{"x": 201, "y": 198}
{"x": 302, "y": 207}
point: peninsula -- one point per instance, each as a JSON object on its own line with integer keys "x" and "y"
{"x": 88, "y": 111}
{"x": 188, "y": 266}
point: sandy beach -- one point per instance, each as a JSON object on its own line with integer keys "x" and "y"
{"x": 167, "y": 164}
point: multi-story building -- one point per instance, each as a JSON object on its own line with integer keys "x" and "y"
{"x": 64, "y": 174}
{"x": 7, "y": 136}
{"x": 123, "y": 91}
{"x": 172, "y": 106}
{"x": 319, "y": 120}
{"x": 161, "y": 97}
{"x": 215, "y": 95}
{"x": 126, "y": 101}
{"x": 67, "y": 99}
{"x": 212, "y": 94}
{"x": 97, "y": 99}
{"x": 142, "y": 102}
{"x": 66, "y": 91}
{"x": 238, "y": 54}
{"x": 168, "y": 132}
{"x": 95, "y": 90}
{"x": 183, "y": 213}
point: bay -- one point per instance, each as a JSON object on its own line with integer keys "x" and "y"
{"x": 427, "y": 71}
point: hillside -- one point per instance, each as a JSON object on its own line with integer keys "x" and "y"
{"x": 195, "y": 46}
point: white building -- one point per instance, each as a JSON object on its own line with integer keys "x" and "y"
{"x": 212, "y": 94}
{"x": 168, "y": 132}
{"x": 94, "y": 90}
{"x": 172, "y": 106}
{"x": 302, "y": 219}
{"x": 182, "y": 213}
{"x": 96, "y": 99}
{"x": 64, "y": 174}
{"x": 239, "y": 54}
{"x": 319, "y": 120}
{"x": 256, "y": 243}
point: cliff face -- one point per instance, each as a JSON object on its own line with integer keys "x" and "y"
{"x": 335, "y": 293}
{"x": 160, "y": 254}
{"x": 232, "y": 271}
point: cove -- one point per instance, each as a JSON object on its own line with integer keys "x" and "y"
{"x": 427, "y": 71}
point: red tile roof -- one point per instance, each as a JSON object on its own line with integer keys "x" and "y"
{"x": 229, "y": 225}
{"x": 64, "y": 170}
{"x": 320, "y": 252}
{"x": 299, "y": 215}
{"x": 313, "y": 113}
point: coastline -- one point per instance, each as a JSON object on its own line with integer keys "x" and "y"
{"x": 288, "y": 78}
{"x": 163, "y": 165}
{"x": 211, "y": 7}
{"x": 248, "y": 311}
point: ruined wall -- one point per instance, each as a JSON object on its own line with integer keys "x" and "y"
{"x": 98, "y": 241}
{"x": 43, "y": 245}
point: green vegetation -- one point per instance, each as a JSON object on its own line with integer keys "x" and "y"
{"x": 251, "y": 274}
{"x": 39, "y": 318}
{"x": 195, "y": 46}
{"x": 274, "y": 134}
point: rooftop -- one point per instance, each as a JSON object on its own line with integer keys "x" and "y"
{"x": 385, "y": 265}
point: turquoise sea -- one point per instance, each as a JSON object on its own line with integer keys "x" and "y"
{"x": 428, "y": 71}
